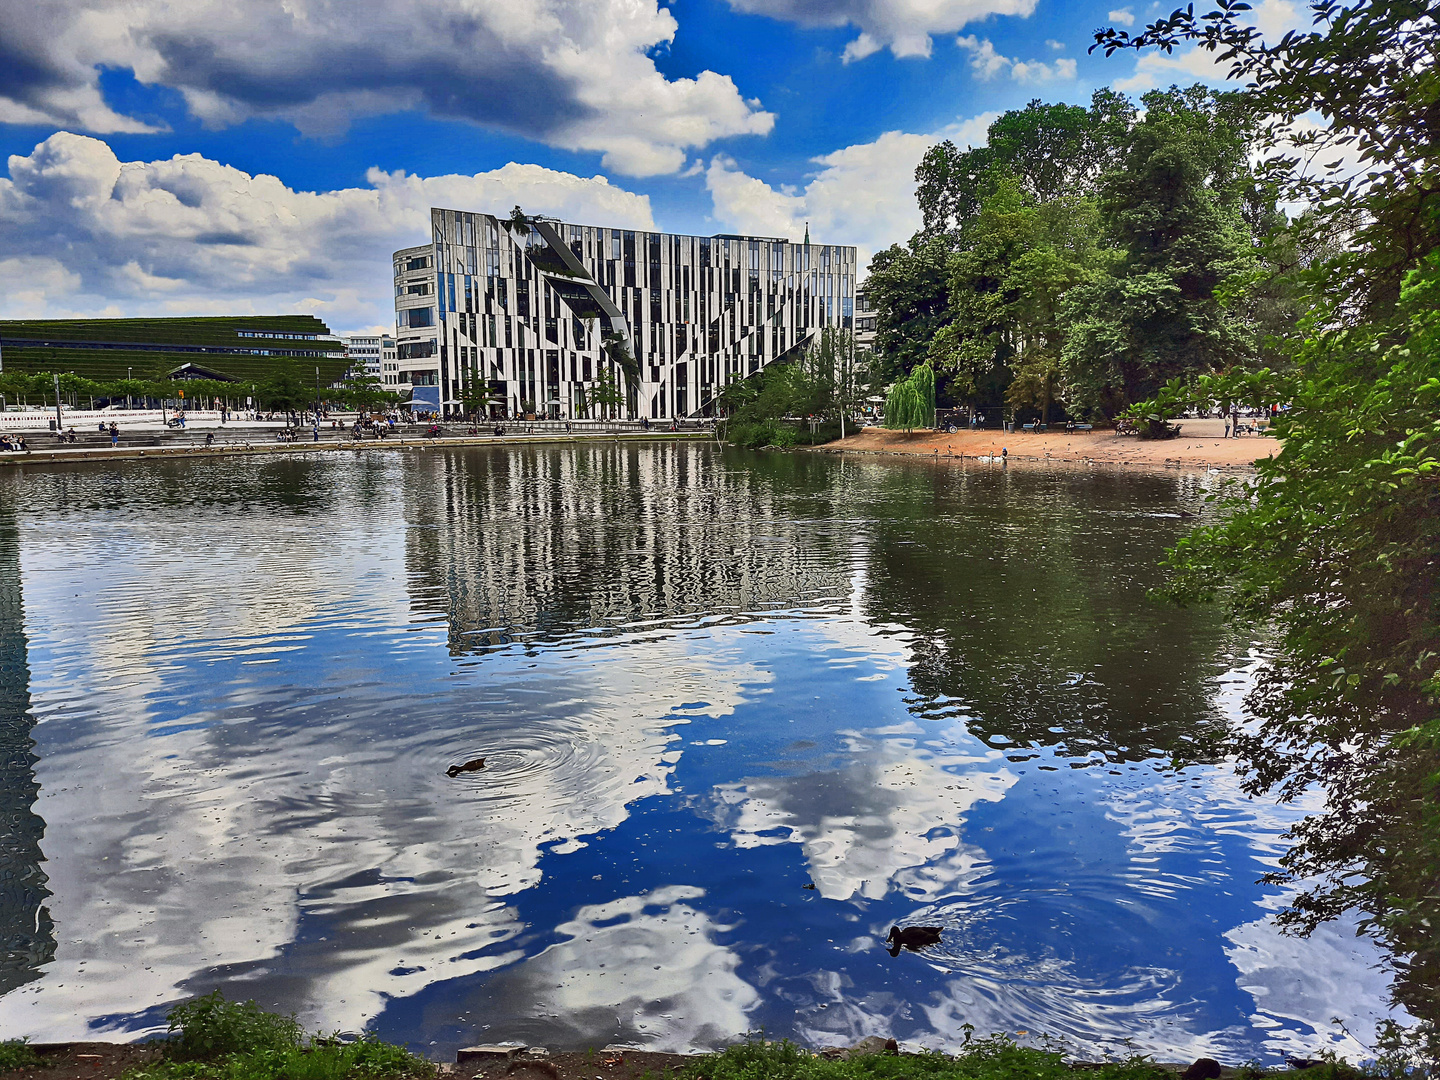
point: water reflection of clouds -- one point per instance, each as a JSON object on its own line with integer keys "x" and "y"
{"x": 242, "y": 751}
{"x": 1177, "y": 829}
{"x": 889, "y": 817}
{"x": 250, "y": 848}
{"x": 641, "y": 970}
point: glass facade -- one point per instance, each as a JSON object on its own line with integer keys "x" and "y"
{"x": 555, "y": 319}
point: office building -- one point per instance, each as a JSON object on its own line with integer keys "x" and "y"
{"x": 547, "y": 318}
{"x": 366, "y": 354}
{"x": 241, "y": 348}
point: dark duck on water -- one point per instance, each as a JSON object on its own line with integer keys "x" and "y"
{"x": 913, "y": 938}
{"x": 473, "y": 765}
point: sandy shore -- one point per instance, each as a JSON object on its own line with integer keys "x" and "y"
{"x": 1200, "y": 446}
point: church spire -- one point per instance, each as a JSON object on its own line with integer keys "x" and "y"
{"x": 807, "y": 234}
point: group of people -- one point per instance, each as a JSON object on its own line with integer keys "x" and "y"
{"x": 13, "y": 442}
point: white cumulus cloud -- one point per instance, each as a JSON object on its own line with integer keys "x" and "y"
{"x": 89, "y": 234}
{"x": 862, "y": 194}
{"x": 905, "y": 27}
{"x": 986, "y": 63}
{"x": 577, "y": 74}
{"x": 1124, "y": 16}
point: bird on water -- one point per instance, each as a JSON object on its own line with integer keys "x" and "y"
{"x": 913, "y": 938}
{"x": 473, "y": 765}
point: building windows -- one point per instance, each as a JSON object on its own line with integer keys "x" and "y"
{"x": 418, "y": 317}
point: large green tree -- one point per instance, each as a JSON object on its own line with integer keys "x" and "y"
{"x": 1006, "y": 292}
{"x": 1047, "y": 150}
{"x": 909, "y": 288}
{"x": 1336, "y": 542}
{"x": 1172, "y": 213}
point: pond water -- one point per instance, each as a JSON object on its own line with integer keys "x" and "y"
{"x": 701, "y": 680}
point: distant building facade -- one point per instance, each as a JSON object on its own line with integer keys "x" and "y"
{"x": 366, "y": 354}
{"x": 545, "y": 317}
{"x": 865, "y": 315}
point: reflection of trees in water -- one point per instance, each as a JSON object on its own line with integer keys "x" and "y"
{"x": 27, "y": 934}
{"x": 1026, "y": 596}
{"x": 538, "y": 543}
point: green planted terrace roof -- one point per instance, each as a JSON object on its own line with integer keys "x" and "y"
{"x": 247, "y": 347}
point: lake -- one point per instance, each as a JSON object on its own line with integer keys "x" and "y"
{"x": 701, "y": 680}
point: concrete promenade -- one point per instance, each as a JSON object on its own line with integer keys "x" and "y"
{"x": 178, "y": 446}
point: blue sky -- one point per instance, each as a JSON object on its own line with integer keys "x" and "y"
{"x": 140, "y": 134}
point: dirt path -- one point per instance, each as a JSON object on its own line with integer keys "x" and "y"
{"x": 1197, "y": 449}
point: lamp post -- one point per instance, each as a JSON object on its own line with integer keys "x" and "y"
{"x": 59, "y": 420}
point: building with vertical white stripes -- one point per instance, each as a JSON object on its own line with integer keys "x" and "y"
{"x": 552, "y": 319}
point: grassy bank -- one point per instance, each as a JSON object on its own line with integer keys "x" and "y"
{"x": 214, "y": 1039}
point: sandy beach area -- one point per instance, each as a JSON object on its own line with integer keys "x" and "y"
{"x": 1201, "y": 445}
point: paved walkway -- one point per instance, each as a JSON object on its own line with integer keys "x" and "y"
{"x": 55, "y": 453}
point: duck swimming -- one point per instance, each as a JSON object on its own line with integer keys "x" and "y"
{"x": 473, "y": 765}
{"x": 913, "y": 938}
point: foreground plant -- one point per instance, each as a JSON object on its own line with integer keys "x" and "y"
{"x": 995, "y": 1058}
{"x": 1336, "y": 543}
{"x": 215, "y": 1039}
{"x": 16, "y": 1054}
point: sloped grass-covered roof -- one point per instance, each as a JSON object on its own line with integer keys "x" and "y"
{"x": 245, "y": 347}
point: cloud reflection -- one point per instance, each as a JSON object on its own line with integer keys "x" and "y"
{"x": 889, "y": 817}
{"x": 643, "y": 971}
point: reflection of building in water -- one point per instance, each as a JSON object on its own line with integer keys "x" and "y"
{"x": 27, "y": 934}
{"x": 536, "y": 544}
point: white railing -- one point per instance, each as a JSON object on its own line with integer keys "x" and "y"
{"x": 89, "y": 419}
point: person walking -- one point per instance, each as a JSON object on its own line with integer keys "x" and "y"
{"x": 114, "y": 435}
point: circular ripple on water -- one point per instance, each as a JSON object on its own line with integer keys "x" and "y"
{"x": 538, "y": 761}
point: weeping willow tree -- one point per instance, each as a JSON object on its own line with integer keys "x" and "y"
{"x": 911, "y": 402}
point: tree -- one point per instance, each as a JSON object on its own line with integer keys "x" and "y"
{"x": 287, "y": 390}
{"x": 1047, "y": 151}
{"x": 365, "y": 392}
{"x": 624, "y": 364}
{"x": 1006, "y": 294}
{"x": 476, "y": 397}
{"x": 606, "y": 393}
{"x": 911, "y": 401}
{"x": 1336, "y": 542}
{"x": 908, "y": 287}
{"x": 1173, "y": 215}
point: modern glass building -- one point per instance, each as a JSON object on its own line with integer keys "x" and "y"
{"x": 554, "y": 319}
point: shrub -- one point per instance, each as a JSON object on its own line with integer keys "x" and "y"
{"x": 995, "y": 1058}
{"x": 215, "y": 1039}
{"x": 211, "y": 1027}
{"x": 16, "y": 1054}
